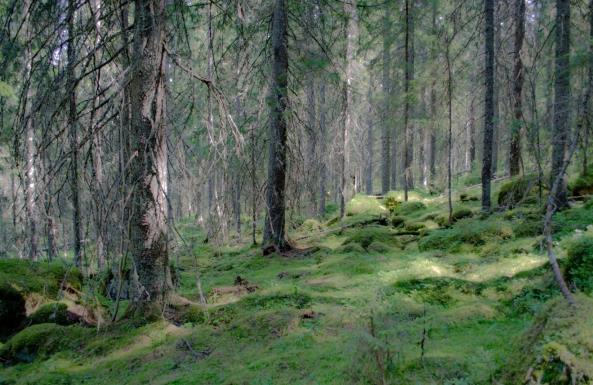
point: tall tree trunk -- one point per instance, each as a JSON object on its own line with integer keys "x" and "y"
{"x": 561, "y": 98}
{"x": 275, "y": 199}
{"x": 322, "y": 150}
{"x": 148, "y": 166}
{"x": 385, "y": 85}
{"x": 370, "y": 139}
{"x": 515, "y": 150}
{"x": 73, "y": 136}
{"x": 495, "y": 94}
{"x": 408, "y": 79}
{"x": 30, "y": 181}
{"x": 351, "y": 31}
{"x": 488, "y": 103}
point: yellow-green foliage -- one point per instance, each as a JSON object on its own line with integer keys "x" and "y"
{"x": 364, "y": 204}
{"x": 557, "y": 349}
{"x": 391, "y": 203}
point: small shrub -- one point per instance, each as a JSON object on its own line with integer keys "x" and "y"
{"x": 579, "y": 266}
{"x": 391, "y": 203}
{"x": 397, "y": 221}
{"x": 55, "y": 312}
{"x": 407, "y": 208}
{"x": 461, "y": 214}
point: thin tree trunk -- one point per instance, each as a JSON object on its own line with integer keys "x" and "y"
{"x": 408, "y": 79}
{"x": 515, "y": 150}
{"x": 385, "y": 85}
{"x": 488, "y": 104}
{"x": 561, "y": 98}
{"x": 370, "y": 139}
{"x": 322, "y": 150}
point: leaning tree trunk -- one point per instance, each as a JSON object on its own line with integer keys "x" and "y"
{"x": 148, "y": 165}
{"x": 561, "y": 98}
{"x": 275, "y": 199}
{"x": 515, "y": 150}
{"x": 488, "y": 103}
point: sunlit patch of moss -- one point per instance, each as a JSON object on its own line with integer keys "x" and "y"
{"x": 364, "y": 204}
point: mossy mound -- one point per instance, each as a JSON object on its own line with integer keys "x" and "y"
{"x": 366, "y": 236}
{"x": 583, "y": 185}
{"x": 518, "y": 190}
{"x": 364, "y": 204}
{"x": 41, "y": 340}
{"x": 397, "y": 221}
{"x": 414, "y": 226}
{"x": 310, "y": 225}
{"x": 461, "y": 214}
{"x": 468, "y": 231}
{"x": 378, "y": 247}
{"x": 39, "y": 277}
{"x": 557, "y": 349}
{"x": 55, "y": 312}
{"x": 579, "y": 266}
{"x": 407, "y": 208}
{"x": 12, "y": 310}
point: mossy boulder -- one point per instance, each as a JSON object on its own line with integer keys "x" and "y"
{"x": 367, "y": 235}
{"x": 39, "y": 277}
{"x": 12, "y": 310}
{"x": 41, "y": 340}
{"x": 579, "y": 266}
{"x": 583, "y": 185}
{"x": 461, "y": 214}
{"x": 518, "y": 190}
{"x": 397, "y": 221}
{"x": 55, "y": 312}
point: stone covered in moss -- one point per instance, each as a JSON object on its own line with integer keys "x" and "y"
{"x": 55, "y": 312}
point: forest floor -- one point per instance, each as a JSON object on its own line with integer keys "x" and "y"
{"x": 404, "y": 302}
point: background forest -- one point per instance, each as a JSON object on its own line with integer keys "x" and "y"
{"x": 283, "y": 191}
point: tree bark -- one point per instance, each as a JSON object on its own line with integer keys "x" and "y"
{"x": 515, "y": 150}
{"x": 370, "y": 139}
{"x": 561, "y": 98}
{"x": 408, "y": 79}
{"x": 488, "y": 103}
{"x": 275, "y": 200}
{"x": 148, "y": 164}
{"x": 385, "y": 86}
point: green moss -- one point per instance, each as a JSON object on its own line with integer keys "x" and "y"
{"x": 515, "y": 191}
{"x": 310, "y": 225}
{"x": 472, "y": 232}
{"x": 365, "y": 236}
{"x": 579, "y": 267}
{"x": 397, "y": 221}
{"x": 296, "y": 299}
{"x": 461, "y": 214}
{"x": 39, "y": 277}
{"x": 41, "y": 340}
{"x": 583, "y": 185}
{"x": 378, "y": 247}
{"x": 407, "y": 208}
{"x": 55, "y": 312}
{"x": 12, "y": 310}
{"x": 556, "y": 349}
{"x": 363, "y": 204}
{"x": 414, "y": 226}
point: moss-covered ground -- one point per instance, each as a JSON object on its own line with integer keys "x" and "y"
{"x": 369, "y": 304}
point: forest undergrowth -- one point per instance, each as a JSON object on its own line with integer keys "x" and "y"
{"x": 392, "y": 294}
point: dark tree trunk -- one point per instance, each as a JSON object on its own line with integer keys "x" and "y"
{"x": 488, "y": 103}
{"x": 148, "y": 165}
{"x": 515, "y": 150}
{"x": 561, "y": 98}
{"x": 322, "y": 150}
{"x": 275, "y": 200}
